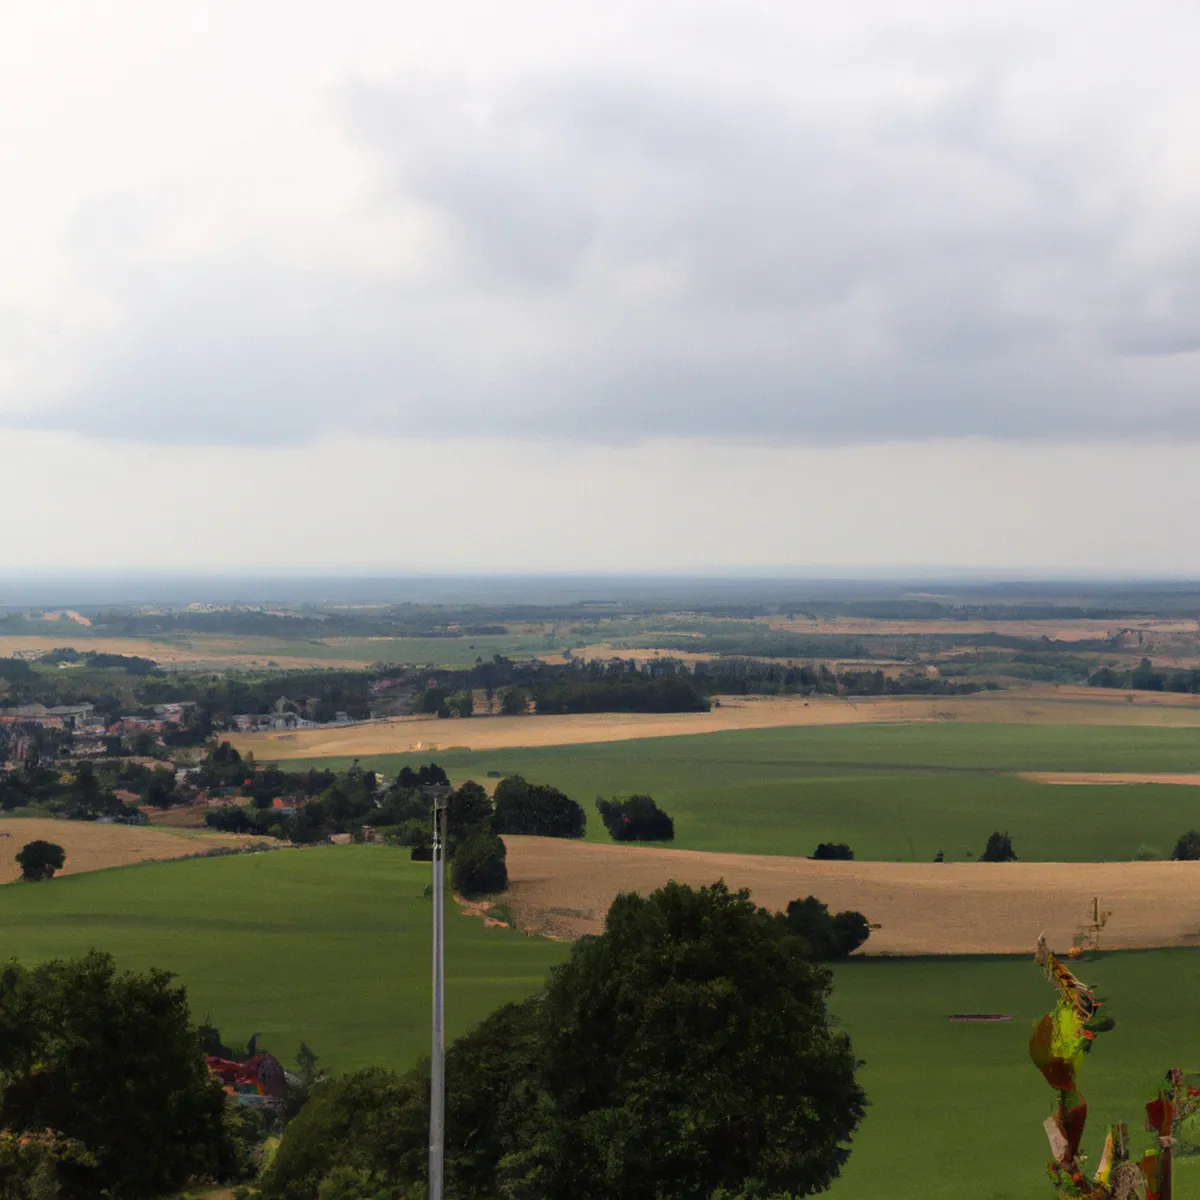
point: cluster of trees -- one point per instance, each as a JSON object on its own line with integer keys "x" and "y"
{"x": 635, "y": 819}
{"x": 536, "y": 808}
{"x": 742, "y": 676}
{"x": 833, "y": 850}
{"x": 587, "y": 1090}
{"x": 999, "y": 848}
{"x": 85, "y": 792}
{"x": 829, "y": 936}
{"x": 1144, "y": 678}
{"x": 103, "y": 1087}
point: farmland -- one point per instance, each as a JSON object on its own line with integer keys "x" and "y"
{"x": 1023, "y": 706}
{"x": 330, "y": 946}
{"x": 92, "y": 847}
{"x": 893, "y": 792}
{"x": 564, "y": 888}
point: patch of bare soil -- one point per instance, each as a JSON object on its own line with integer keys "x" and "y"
{"x": 92, "y": 847}
{"x": 563, "y": 889}
{"x": 1107, "y": 777}
{"x": 1035, "y": 705}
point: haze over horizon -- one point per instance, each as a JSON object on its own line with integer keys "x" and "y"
{"x": 599, "y": 288}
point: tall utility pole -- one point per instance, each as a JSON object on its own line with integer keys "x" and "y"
{"x": 437, "y": 1071}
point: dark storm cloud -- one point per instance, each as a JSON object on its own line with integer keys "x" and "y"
{"x": 616, "y": 259}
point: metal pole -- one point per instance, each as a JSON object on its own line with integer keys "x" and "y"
{"x": 437, "y": 1072}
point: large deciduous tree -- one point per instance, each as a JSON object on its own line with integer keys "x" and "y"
{"x": 687, "y": 1052}
{"x": 111, "y": 1062}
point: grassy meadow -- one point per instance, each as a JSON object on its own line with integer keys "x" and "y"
{"x": 329, "y": 946}
{"x": 893, "y": 792}
{"x": 956, "y": 1109}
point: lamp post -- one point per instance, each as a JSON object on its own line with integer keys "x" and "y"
{"x": 437, "y": 1070}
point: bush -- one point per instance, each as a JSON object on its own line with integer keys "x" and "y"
{"x": 478, "y": 867}
{"x": 999, "y": 849}
{"x": 39, "y": 860}
{"x": 534, "y": 808}
{"x": 833, "y": 850}
{"x": 636, "y": 819}
{"x": 1187, "y": 849}
{"x": 1146, "y": 853}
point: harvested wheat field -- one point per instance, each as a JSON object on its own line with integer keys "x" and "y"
{"x": 563, "y": 889}
{"x": 1039, "y": 706}
{"x": 92, "y": 847}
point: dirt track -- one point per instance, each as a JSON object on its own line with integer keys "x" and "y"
{"x": 1108, "y": 777}
{"x": 91, "y": 847}
{"x": 1046, "y": 705}
{"x": 563, "y": 888}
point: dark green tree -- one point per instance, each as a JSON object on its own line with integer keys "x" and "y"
{"x": 39, "y": 860}
{"x": 534, "y": 808}
{"x": 826, "y": 936}
{"x": 686, "y": 1050}
{"x": 1187, "y": 849}
{"x": 999, "y": 849}
{"x": 112, "y": 1062}
{"x": 833, "y": 850}
{"x": 479, "y": 866}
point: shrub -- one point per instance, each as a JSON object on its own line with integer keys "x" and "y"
{"x": 635, "y": 819}
{"x": 1187, "y": 849}
{"x": 999, "y": 849}
{"x": 478, "y": 867}
{"x": 39, "y": 860}
{"x": 834, "y": 850}
{"x": 1146, "y": 853}
{"x": 534, "y": 808}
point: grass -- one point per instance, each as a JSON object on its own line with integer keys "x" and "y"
{"x": 956, "y": 1109}
{"x": 329, "y": 946}
{"x": 893, "y": 792}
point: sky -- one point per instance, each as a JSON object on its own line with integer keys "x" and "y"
{"x": 354, "y": 284}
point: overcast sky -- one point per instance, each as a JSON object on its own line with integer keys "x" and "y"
{"x": 624, "y": 286}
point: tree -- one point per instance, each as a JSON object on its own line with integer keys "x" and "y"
{"x": 999, "y": 849}
{"x": 479, "y": 867}
{"x": 686, "y": 1052}
{"x": 1187, "y": 849}
{"x": 533, "y": 808}
{"x": 112, "y": 1062}
{"x": 514, "y": 702}
{"x": 468, "y": 811}
{"x": 635, "y": 819}
{"x": 39, "y": 860}
{"x": 826, "y": 936}
{"x": 833, "y": 850}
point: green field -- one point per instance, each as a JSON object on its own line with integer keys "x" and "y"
{"x": 956, "y": 1109}
{"x": 329, "y": 946}
{"x": 893, "y": 792}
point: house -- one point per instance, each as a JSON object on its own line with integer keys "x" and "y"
{"x": 259, "y": 1082}
{"x": 287, "y": 805}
